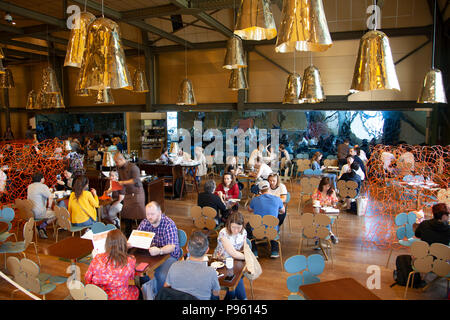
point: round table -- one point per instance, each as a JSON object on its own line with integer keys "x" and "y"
{"x": 3, "y": 227}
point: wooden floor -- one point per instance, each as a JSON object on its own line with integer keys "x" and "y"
{"x": 351, "y": 259}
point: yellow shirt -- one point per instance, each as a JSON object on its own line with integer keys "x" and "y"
{"x": 85, "y": 201}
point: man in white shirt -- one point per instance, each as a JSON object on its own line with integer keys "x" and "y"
{"x": 346, "y": 169}
{"x": 263, "y": 170}
{"x": 255, "y": 154}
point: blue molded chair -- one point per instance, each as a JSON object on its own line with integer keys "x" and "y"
{"x": 98, "y": 227}
{"x": 308, "y": 172}
{"x": 7, "y": 215}
{"x": 305, "y": 271}
{"x": 182, "y": 239}
{"x": 404, "y": 233}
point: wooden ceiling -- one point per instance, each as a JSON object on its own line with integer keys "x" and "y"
{"x": 206, "y": 23}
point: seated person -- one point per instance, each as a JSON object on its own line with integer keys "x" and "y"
{"x": 346, "y": 168}
{"x": 112, "y": 270}
{"x": 184, "y": 155}
{"x": 285, "y": 158}
{"x": 352, "y": 176}
{"x": 42, "y": 198}
{"x": 436, "y": 229}
{"x": 111, "y": 211}
{"x": 66, "y": 182}
{"x": 228, "y": 189}
{"x": 326, "y": 197}
{"x": 209, "y": 199}
{"x": 256, "y": 153}
{"x": 266, "y": 204}
{"x": 193, "y": 276}
{"x": 278, "y": 189}
{"x": 230, "y": 243}
{"x": 165, "y": 240}
{"x": 357, "y": 159}
{"x": 82, "y": 203}
{"x": 165, "y": 156}
{"x": 315, "y": 165}
{"x": 233, "y": 166}
{"x": 262, "y": 173}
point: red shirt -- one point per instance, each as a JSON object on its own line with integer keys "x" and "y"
{"x": 114, "y": 281}
{"x": 232, "y": 193}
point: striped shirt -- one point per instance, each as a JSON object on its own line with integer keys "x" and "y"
{"x": 165, "y": 233}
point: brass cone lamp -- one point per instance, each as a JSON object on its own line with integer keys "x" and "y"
{"x": 255, "y": 21}
{"x": 186, "y": 95}
{"x": 31, "y": 100}
{"x": 2, "y": 55}
{"x": 55, "y": 101}
{"x": 2, "y": 69}
{"x": 84, "y": 92}
{"x": 49, "y": 81}
{"x": 234, "y": 57}
{"x": 312, "y": 90}
{"x": 77, "y": 41}
{"x": 374, "y": 67}
{"x": 104, "y": 96}
{"x": 293, "y": 89}
{"x": 303, "y": 27}
{"x": 139, "y": 81}
{"x": 42, "y": 100}
{"x": 103, "y": 65}
{"x": 6, "y": 79}
{"x": 238, "y": 80}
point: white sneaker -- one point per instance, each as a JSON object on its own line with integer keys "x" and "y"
{"x": 43, "y": 234}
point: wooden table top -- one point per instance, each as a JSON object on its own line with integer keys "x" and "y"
{"x": 3, "y": 226}
{"x": 143, "y": 255}
{"x": 309, "y": 209}
{"x": 340, "y": 289}
{"x": 71, "y": 248}
{"x": 238, "y": 270}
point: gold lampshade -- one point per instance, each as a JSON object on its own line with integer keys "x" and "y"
{"x": 234, "y": 57}
{"x": 174, "y": 148}
{"x": 84, "y": 92}
{"x": 238, "y": 80}
{"x": 55, "y": 101}
{"x": 433, "y": 90}
{"x": 31, "y": 100}
{"x": 139, "y": 81}
{"x": 312, "y": 90}
{"x": 77, "y": 41}
{"x": 255, "y": 21}
{"x": 2, "y": 69}
{"x": 49, "y": 81}
{"x": 186, "y": 95}
{"x": 42, "y": 101}
{"x": 103, "y": 65}
{"x": 293, "y": 89}
{"x": 2, "y": 55}
{"x": 6, "y": 79}
{"x": 374, "y": 68}
{"x": 104, "y": 96}
{"x": 303, "y": 27}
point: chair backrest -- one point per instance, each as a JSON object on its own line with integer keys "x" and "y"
{"x": 79, "y": 291}
{"x": 404, "y": 222}
{"x": 441, "y": 265}
{"x": 264, "y": 227}
{"x": 63, "y": 218}
{"x": 6, "y": 214}
{"x": 28, "y": 231}
{"x": 303, "y": 164}
{"x": 204, "y": 217}
{"x": 444, "y": 196}
{"x": 305, "y": 270}
{"x": 302, "y": 156}
{"x": 25, "y": 272}
{"x": 182, "y": 237}
{"x": 24, "y": 207}
{"x": 330, "y": 163}
{"x": 315, "y": 225}
{"x": 332, "y": 157}
{"x": 347, "y": 188}
{"x": 308, "y": 185}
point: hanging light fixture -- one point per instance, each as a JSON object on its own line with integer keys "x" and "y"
{"x": 139, "y": 81}
{"x": 303, "y": 27}
{"x": 255, "y": 21}
{"x": 293, "y": 89}
{"x": 2, "y": 69}
{"x": 42, "y": 100}
{"x": 55, "y": 101}
{"x": 2, "y": 55}
{"x": 31, "y": 100}
{"x": 77, "y": 41}
{"x": 103, "y": 65}
{"x": 234, "y": 57}
{"x": 433, "y": 90}
{"x": 104, "y": 96}
{"x": 186, "y": 95}
{"x": 6, "y": 79}
{"x": 238, "y": 80}
{"x": 312, "y": 90}
{"x": 49, "y": 81}
{"x": 84, "y": 92}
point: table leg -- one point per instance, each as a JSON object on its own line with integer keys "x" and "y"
{"x": 194, "y": 174}
{"x": 182, "y": 183}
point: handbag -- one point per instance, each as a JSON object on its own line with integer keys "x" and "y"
{"x": 361, "y": 205}
{"x": 149, "y": 289}
{"x": 253, "y": 267}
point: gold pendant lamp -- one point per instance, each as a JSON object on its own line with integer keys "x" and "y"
{"x": 103, "y": 65}
{"x": 312, "y": 90}
{"x": 43, "y": 100}
{"x": 186, "y": 95}
{"x": 6, "y": 79}
{"x": 433, "y": 89}
{"x": 55, "y": 101}
{"x": 2, "y": 69}
{"x": 293, "y": 89}
{"x": 374, "y": 67}
{"x": 77, "y": 41}
{"x": 139, "y": 81}
{"x": 104, "y": 96}
{"x": 49, "y": 81}
{"x": 31, "y": 100}
{"x": 2, "y": 55}
{"x": 238, "y": 80}
{"x": 303, "y": 27}
{"x": 83, "y": 92}
{"x": 255, "y": 21}
{"x": 234, "y": 58}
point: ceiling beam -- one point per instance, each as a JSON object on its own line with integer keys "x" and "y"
{"x": 31, "y": 46}
{"x": 30, "y": 14}
{"x": 155, "y": 12}
{"x": 29, "y": 55}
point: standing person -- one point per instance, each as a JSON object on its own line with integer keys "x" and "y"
{"x": 199, "y": 156}
{"x": 42, "y": 198}
{"x": 165, "y": 240}
{"x": 112, "y": 270}
{"x": 76, "y": 159}
{"x": 342, "y": 152}
{"x": 133, "y": 191}
{"x": 82, "y": 203}
{"x": 193, "y": 276}
{"x": 230, "y": 243}
{"x": 111, "y": 211}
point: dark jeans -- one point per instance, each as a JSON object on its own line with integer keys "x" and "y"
{"x": 128, "y": 223}
{"x": 273, "y": 245}
{"x": 341, "y": 163}
{"x": 281, "y": 217}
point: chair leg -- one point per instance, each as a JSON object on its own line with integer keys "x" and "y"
{"x": 251, "y": 287}
{"x": 281, "y": 255}
{"x": 389, "y": 257}
{"x": 407, "y": 283}
{"x": 37, "y": 255}
{"x": 300, "y": 244}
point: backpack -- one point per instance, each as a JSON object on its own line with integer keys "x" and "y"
{"x": 403, "y": 268}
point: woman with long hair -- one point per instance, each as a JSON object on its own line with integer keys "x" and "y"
{"x": 277, "y": 188}
{"x": 228, "y": 189}
{"x": 82, "y": 203}
{"x": 113, "y": 269}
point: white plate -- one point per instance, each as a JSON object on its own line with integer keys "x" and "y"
{"x": 217, "y": 264}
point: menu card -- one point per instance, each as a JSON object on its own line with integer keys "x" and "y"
{"x": 99, "y": 241}
{"x": 330, "y": 210}
{"x": 141, "y": 239}
{"x": 115, "y": 186}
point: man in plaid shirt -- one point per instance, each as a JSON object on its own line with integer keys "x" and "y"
{"x": 165, "y": 240}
